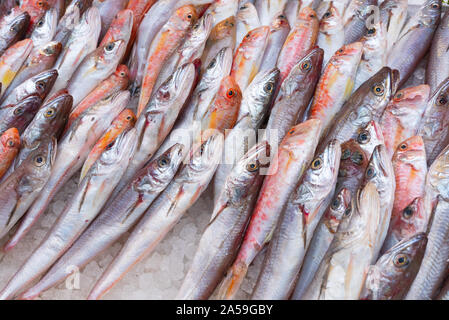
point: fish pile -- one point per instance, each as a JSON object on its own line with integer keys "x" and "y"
{"x": 302, "y": 116}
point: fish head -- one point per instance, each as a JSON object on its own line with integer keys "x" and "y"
{"x": 430, "y": 12}
{"x": 339, "y": 209}
{"x": 347, "y": 54}
{"x": 228, "y": 96}
{"x": 256, "y": 37}
{"x": 307, "y": 16}
{"x": 40, "y": 161}
{"x": 111, "y": 52}
{"x": 412, "y": 219}
{"x": 219, "y": 66}
{"x": 380, "y": 170}
{"x": 246, "y": 10}
{"x": 44, "y": 81}
{"x": 27, "y": 106}
{"x": 56, "y": 111}
{"x": 370, "y": 137}
{"x": 302, "y": 134}
{"x": 16, "y": 21}
{"x": 10, "y": 139}
{"x": 440, "y": 98}
{"x": 411, "y": 151}
{"x": 438, "y": 175}
{"x": 201, "y": 30}
{"x": 353, "y": 160}
{"x": 331, "y": 20}
{"x": 46, "y": 26}
{"x": 185, "y": 16}
{"x": 206, "y": 155}
{"x": 279, "y": 23}
{"x": 126, "y": 119}
{"x": 412, "y": 95}
{"x": 223, "y": 29}
{"x": 50, "y": 50}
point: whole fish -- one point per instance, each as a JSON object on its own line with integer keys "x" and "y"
{"x": 342, "y": 272}
{"x": 410, "y": 169}
{"x": 296, "y": 226}
{"x": 158, "y": 118}
{"x": 162, "y": 47}
{"x": 79, "y": 211}
{"x": 221, "y": 239}
{"x": 44, "y": 31}
{"x": 189, "y": 120}
{"x": 414, "y": 39}
{"x": 114, "y": 83}
{"x": 222, "y": 9}
{"x": 40, "y": 84}
{"x": 437, "y": 68}
{"x": 301, "y": 39}
{"x": 116, "y": 219}
{"x": 73, "y": 150}
{"x": 335, "y": 84}
{"x": 394, "y": 272}
{"x": 255, "y": 104}
{"x": 336, "y": 213}
{"x": 82, "y": 41}
{"x": 366, "y": 104}
{"x": 435, "y": 263}
{"x": 434, "y": 124}
{"x": 11, "y": 62}
{"x": 393, "y": 14}
{"x": 9, "y": 148}
{"x": 331, "y": 36}
{"x": 294, "y": 96}
{"x": 124, "y": 122}
{"x": 41, "y": 62}
{"x": 374, "y": 53}
{"x": 23, "y": 185}
{"x": 19, "y": 115}
{"x": 222, "y": 36}
{"x": 403, "y": 115}
{"x": 36, "y": 9}
{"x": 247, "y": 20}
{"x": 164, "y": 213}
{"x": 95, "y": 67}
{"x": 380, "y": 172}
{"x": 13, "y": 27}
{"x": 268, "y": 9}
{"x": 357, "y": 18}
{"x": 279, "y": 30}
{"x": 108, "y": 10}
{"x": 293, "y": 156}
{"x": 248, "y": 56}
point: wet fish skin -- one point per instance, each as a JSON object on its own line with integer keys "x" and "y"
{"x": 444, "y": 293}
{"x": 139, "y": 9}
{"x": 164, "y": 213}
{"x": 293, "y": 156}
{"x": 296, "y": 226}
{"x": 394, "y": 272}
{"x": 36, "y": 9}
{"x": 268, "y": 9}
{"x": 20, "y": 114}
{"x": 331, "y": 35}
{"x": 120, "y": 29}
{"x": 11, "y": 62}
{"x": 437, "y": 69}
{"x": 108, "y": 10}
{"x": 70, "y": 19}
{"x": 117, "y": 218}
{"x": 9, "y": 148}
{"x": 95, "y": 67}
{"x": 338, "y": 210}
{"x": 222, "y": 9}
{"x": 279, "y": 30}
{"x": 416, "y": 37}
{"x": 73, "y": 149}
{"x": 434, "y": 265}
{"x": 44, "y": 30}
{"x": 221, "y": 239}
{"x": 294, "y": 95}
{"x": 247, "y": 20}
{"x": 13, "y": 27}
{"x": 410, "y": 168}
{"x": 403, "y": 114}
{"x": 22, "y": 187}
{"x": 357, "y": 15}
{"x": 291, "y": 11}
{"x": 393, "y": 14}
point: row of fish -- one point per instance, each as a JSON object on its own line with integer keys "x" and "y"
{"x": 303, "y": 116}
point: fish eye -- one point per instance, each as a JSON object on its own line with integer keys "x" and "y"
{"x": 312, "y": 15}
{"x": 435, "y": 6}
{"x": 442, "y": 100}
{"x": 212, "y": 63}
{"x": 110, "y": 46}
{"x": 202, "y": 149}
{"x": 129, "y": 118}
{"x": 401, "y": 260}
{"x": 378, "y": 89}
{"x": 243, "y": 7}
{"x": 327, "y": 14}
{"x": 282, "y": 16}
{"x": 306, "y": 65}
{"x": 317, "y": 163}
{"x": 189, "y": 16}
{"x": 408, "y": 212}
{"x": 15, "y": 27}
{"x": 40, "y": 86}
{"x": 348, "y": 210}
{"x": 372, "y": 31}
{"x": 399, "y": 95}
{"x": 40, "y": 3}
{"x": 342, "y": 173}
{"x": 268, "y": 87}
{"x": 364, "y": 137}
{"x": 230, "y": 93}
{"x": 403, "y": 146}
{"x": 345, "y": 154}
{"x": 336, "y": 203}
{"x": 357, "y": 158}
{"x": 48, "y": 51}
{"x": 18, "y": 111}
{"x": 50, "y": 113}
{"x": 370, "y": 172}
{"x": 10, "y": 143}
{"x": 163, "y": 162}
{"x": 39, "y": 160}
{"x": 122, "y": 74}
{"x": 40, "y": 23}
{"x": 253, "y": 166}
{"x": 340, "y": 51}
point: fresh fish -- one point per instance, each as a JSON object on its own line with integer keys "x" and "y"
{"x": 294, "y": 96}
{"x": 291, "y": 11}
{"x": 72, "y": 151}
{"x": 95, "y": 67}
{"x": 23, "y": 186}
{"x": 414, "y": 39}
{"x": 108, "y": 10}
{"x": 403, "y": 115}
{"x": 444, "y": 293}
{"x": 9, "y": 148}
{"x": 393, "y": 14}
{"x": 296, "y": 226}
{"x": 164, "y": 213}
{"x": 435, "y": 263}
{"x": 437, "y": 67}
{"x": 7, "y": 5}
{"x": 36, "y": 9}
{"x": 336, "y": 213}
{"x": 11, "y": 62}
{"x": 224, "y": 233}
{"x": 65, "y": 26}
{"x": 44, "y": 31}
{"x": 40, "y": 84}
{"x": 13, "y": 27}
{"x": 247, "y": 20}
{"x": 342, "y": 272}
{"x": 279, "y": 30}
{"x": 293, "y": 156}
{"x": 82, "y": 41}
{"x": 116, "y": 219}
{"x": 335, "y": 85}
{"x": 163, "y": 46}
{"x": 19, "y": 115}
{"x": 248, "y": 56}
{"x": 79, "y": 211}
{"x": 222, "y": 9}
{"x": 410, "y": 168}
{"x": 139, "y": 8}
{"x": 394, "y": 272}
{"x": 301, "y": 39}
{"x": 358, "y": 16}
{"x": 269, "y": 9}
{"x": 331, "y": 35}
{"x": 434, "y": 124}
{"x": 124, "y": 122}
